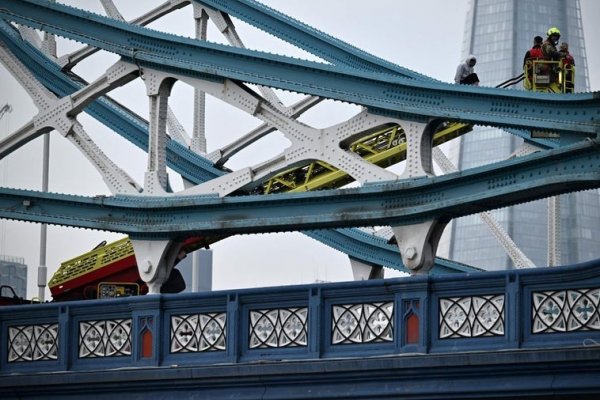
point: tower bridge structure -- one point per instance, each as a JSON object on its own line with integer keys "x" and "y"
{"x": 350, "y": 340}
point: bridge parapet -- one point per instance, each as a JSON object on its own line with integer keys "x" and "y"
{"x": 535, "y": 308}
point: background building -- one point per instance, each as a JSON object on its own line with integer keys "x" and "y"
{"x": 498, "y": 33}
{"x": 13, "y": 273}
{"x": 204, "y": 273}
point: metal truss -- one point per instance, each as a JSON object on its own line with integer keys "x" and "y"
{"x": 416, "y": 204}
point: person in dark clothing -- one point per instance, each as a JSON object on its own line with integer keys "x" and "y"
{"x": 174, "y": 284}
{"x": 465, "y": 73}
{"x": 536, "y": 51}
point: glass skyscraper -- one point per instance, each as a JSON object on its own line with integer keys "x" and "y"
{"x": 498, "y": 33}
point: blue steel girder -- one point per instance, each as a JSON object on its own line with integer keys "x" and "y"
{"x": 190, "y": 165}
{"x": 394, "y": 203}
{"x": 306, "y": 37}
{"x": 361, "y": 246}
{"x": 402, "y": 97}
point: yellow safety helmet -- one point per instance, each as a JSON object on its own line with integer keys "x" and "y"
{"x": 553, "y": 31}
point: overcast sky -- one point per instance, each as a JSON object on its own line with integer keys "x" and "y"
{"x": 424, "y": 35}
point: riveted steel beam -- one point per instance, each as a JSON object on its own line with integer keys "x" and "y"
{"x": 406, "y": 202}
{"x": 410, "y": 98}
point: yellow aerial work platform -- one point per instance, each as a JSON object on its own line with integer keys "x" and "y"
{"x": 549, "y": 76}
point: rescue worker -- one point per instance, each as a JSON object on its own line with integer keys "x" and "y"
{"x": 568, "y": 58}
{"x": 568, "y": 64}
{"x": 551, "y": 54}
{"x": 465, "y": 72}
{"x": 536, "y": 51}
{"x": 549, "y": 46}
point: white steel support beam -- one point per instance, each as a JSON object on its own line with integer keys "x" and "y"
{"x": 117, "y": 180}
{"x": 160, "y": 11}
{"x": 117, "y": 75}
{"x": 418, "y": 242}
{"x": 30, "y": 35}
{"x": 223, "y": 154}
{"x": 18, "y": 138}
{"x": 201, "y": 266}
{"x": 49, "y": 45}
{"x": 158, "y": 89}
{"x": 155, "y": 260}
{"x": 176, "y": 130}
{"x": 111, "y": 10}
{"x": 227, "y": 28}
{"x": 60, "y": 114}
{"x": 554, "y": 243}
{"x": 419, "y": 139}
{"x": 198, "y": 143}
{"x": 363, "y": 272}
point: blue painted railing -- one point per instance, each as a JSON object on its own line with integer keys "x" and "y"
{"x": 537, "y": 308}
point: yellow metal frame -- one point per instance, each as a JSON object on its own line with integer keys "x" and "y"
{"x": 384, "y": 148}
{"x": 549, "y": 76}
